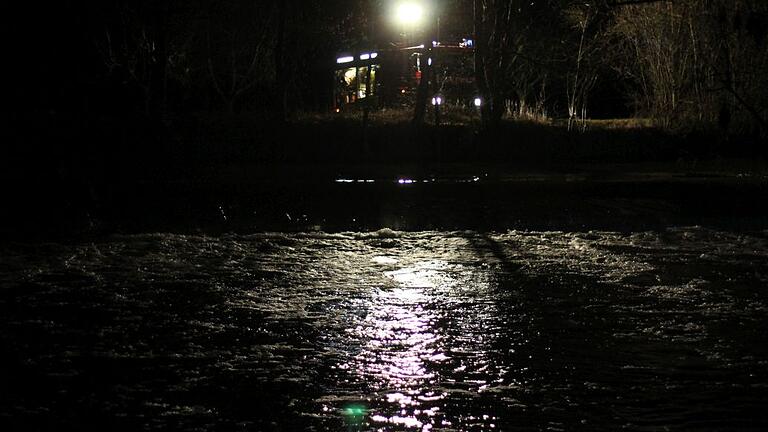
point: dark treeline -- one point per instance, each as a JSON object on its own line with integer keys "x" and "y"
{"x": 94, "y": 85}
{"x": 685, "y": 63}
{"x": 119, "y": 74}
{"x": 701, "y": 61}
{"x": 682, "y": 60}
{"x": 161, "y": 57}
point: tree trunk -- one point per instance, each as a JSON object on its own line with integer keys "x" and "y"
{"x": 280, "y": 65}
{"x": 422, "y": 92}
{"x": 479, "y": 60}
{"x": 492, "y": 108}
{"x": 158, "y": 78}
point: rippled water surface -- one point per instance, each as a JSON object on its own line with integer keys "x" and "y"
{"x": 386, "y": 330}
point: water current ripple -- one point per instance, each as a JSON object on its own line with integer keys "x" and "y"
{"x": 388, "y": 331}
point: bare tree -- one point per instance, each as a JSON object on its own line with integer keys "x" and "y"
{"x": 498, "y": 39}
{"x": 700, "y": 61}
{"x": 238, "y": 49}
{"x": 134, "y": 48}
{"x": 659, "y": 37}
{"x": 582, "y": 78}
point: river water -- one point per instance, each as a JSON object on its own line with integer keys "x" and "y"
{"x": 386, "y": 330}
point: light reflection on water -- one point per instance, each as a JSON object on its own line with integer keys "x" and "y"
{"x": 403, "y": 348}
{"x": 400, "y": 337}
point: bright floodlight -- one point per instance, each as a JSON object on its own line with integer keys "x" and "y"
{"x": 409, "y": 13}
{"x": 478, "y": 102}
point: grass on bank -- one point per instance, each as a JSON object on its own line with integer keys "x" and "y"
{"x": 462, "y": 116}
{"x": 342, "y": 138}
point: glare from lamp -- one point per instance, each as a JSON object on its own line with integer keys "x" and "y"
{"x": 409, "y": 13}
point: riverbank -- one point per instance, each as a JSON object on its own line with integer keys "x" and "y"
{"x": 236, "y": 174}
{"x": 483, "y": 200}
{"x": 534, "y": 144}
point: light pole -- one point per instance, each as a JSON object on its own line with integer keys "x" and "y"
{"x": 412, "y": 13}
{"x": 434, "y": 57}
